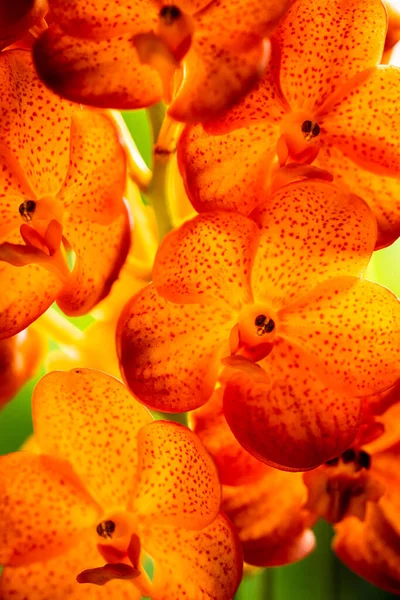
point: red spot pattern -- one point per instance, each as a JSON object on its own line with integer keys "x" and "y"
{"x": 168, "y": 352}
{"x": 322, "y": 53}
{"x": 34, "y": 125}
{"x": 380, "y": 192}
{"x": 364, "y": 122}
{"x": 55, "y": 579}
{"x": 226, "y": 57}
{"x": 86, "y": 70}
{"x": 324, "y": 43}
{"x": 177, "y": 479}
{"x": 43, "y": 508}
{"x": 209, "y": 258}
{"x": 310, "y": 231}
{"x": 291, "y": 420}
{"x": 103, "y": 18}
{"x": 95, "y": 181}
{"x": 101, "y": 443}
{"x": 100, "y": 251}
{"x": 52, "y": 147}
{"x": 227, "y": 171}
{"x": 350, "y": 331}
{"x": 19, "y": 284}
{"x": 195, "y": 564}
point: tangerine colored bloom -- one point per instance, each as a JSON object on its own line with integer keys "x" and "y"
{"x": 20, "y": 356}
{"x": 108, "y": 481}
{"x": 356, "y": 491}
{"x": 280, "y": 286}
{"x": 59, "y": 200}
{"x": 325, "y": 98}
{"x": 17, "y": 17}
{"x": 359, "y": 493}
{"x": 123, "y": 55}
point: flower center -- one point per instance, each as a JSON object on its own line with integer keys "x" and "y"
{"x": 117, "y": 529}
{"x": 264, "y": 325}
{"x": 254, "y": 335}
{"x": 343, "y": 487}
{"x": 169, "y": 14}
{"x": 356, "y": 460}
{"x": 298, "y": 141}
{"x": 105, "y": 529}
{"x": 310, "y": 129}
{"x": 40, "y": 212}
{"x": 26, "y": 209}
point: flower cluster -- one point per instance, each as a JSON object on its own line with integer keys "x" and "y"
{"x": 230, "y": 280}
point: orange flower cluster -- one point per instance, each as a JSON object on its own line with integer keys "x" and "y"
{"x": 276, "y": 169}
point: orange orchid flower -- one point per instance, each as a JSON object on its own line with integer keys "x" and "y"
{"x": 280, "y": 286}
{"x": 324, "y": 98}
{"x": 358, "y": 491}
{"x": 17, "y": 17}
{"x": 106, "y": 483}
{"x": 58, "y": 200}
{"x": 20, "y": 356}
{"x": 196, "y": 53}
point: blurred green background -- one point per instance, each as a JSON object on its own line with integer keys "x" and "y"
{"x": 319, "y": 577}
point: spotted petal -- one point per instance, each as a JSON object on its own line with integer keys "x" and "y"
{"x": 209, "y": 258}
{"x": 189, "y": 494}
{"x": 349, "y": 329}
{"x": 228, "y": 171}
{"x": 43, "y": 508}
{"x": 55, "y": 578}
{"x": 35, "y": 126}
{"x": 169, "y": 352}
{"x": 100, "y": 252}
{"x": 289, "y": 418}
{"x": 215, "y": 78}
{"x": 90, "y": 419}
{"x": 382, "y": 193}
{"x": 324, "y": 43}
{"x": 192, "y": 564}
{"x": 100, "y": 19}
{"x": 16, "y": 313}
{"x": 96, "y": 177}
{"x": 310, "y": 231}
{"x": 104, "y": 73}
{"x": 364, "y": 120}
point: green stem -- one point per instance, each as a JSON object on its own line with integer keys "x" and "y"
{"x": 156, "y": 194}
{"x": 156, "y": 116}
{"x": 258, "y": 586}
{"x": 164, "y": 149}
